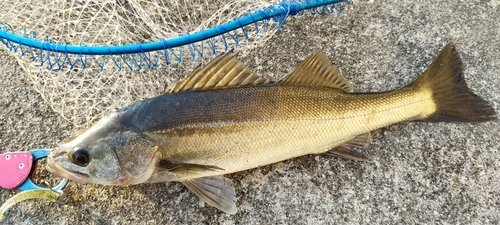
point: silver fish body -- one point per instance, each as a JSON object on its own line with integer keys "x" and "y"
{"x": 223, "y": 119}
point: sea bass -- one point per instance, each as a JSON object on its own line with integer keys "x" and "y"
{"x": 223, "y": 118}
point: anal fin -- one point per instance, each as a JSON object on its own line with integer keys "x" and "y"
{"x": 216, "y": 191}
{"x": 347, "y": 150}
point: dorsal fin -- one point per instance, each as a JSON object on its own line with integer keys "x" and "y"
{"x": 223, "y": 71}
{"x": 317, "y": 70}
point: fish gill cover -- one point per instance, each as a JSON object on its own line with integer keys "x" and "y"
{"x": 100, "y": 53}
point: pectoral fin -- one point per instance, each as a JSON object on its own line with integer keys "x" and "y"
{"x": 217, "y": 191}
{"x": 346, "y": 150}
{"x": 187, "y": 168}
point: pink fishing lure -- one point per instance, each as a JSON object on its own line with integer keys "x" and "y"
{"x": 15, "y": 167}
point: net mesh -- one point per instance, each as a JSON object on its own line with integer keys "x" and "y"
{"x": 83, "y": 95}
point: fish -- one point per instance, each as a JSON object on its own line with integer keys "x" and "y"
{"x": 224, "y": 118}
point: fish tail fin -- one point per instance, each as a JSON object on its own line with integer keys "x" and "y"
{"x": 453, "y": 100}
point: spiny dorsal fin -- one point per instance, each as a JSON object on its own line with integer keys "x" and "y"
{"x": 317, "y": 70}
{"x": 223, "y": 71}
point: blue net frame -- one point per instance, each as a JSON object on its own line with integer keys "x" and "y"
{"x": 138, "y": 56}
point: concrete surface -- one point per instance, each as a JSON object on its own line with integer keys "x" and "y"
{"x": 421, "y": 173}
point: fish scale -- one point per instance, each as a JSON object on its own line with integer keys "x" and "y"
{"x": 217, "y": 122}
{"x": 315, "y": 123}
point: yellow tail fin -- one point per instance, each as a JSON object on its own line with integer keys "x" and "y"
{"x": 454, "y": 101}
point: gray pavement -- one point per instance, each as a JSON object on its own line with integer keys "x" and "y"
{"x": 421, "y": 173}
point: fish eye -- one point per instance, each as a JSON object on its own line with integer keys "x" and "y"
{"x": 81, "y": 156}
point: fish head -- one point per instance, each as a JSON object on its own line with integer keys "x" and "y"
{"x": 102, "y": 154}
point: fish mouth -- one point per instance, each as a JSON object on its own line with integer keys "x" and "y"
{"x": 60, "y": 171}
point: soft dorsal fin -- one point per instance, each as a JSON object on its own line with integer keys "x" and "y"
{"x": 317, "y": 70}
{"x": 223, "y": 71}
